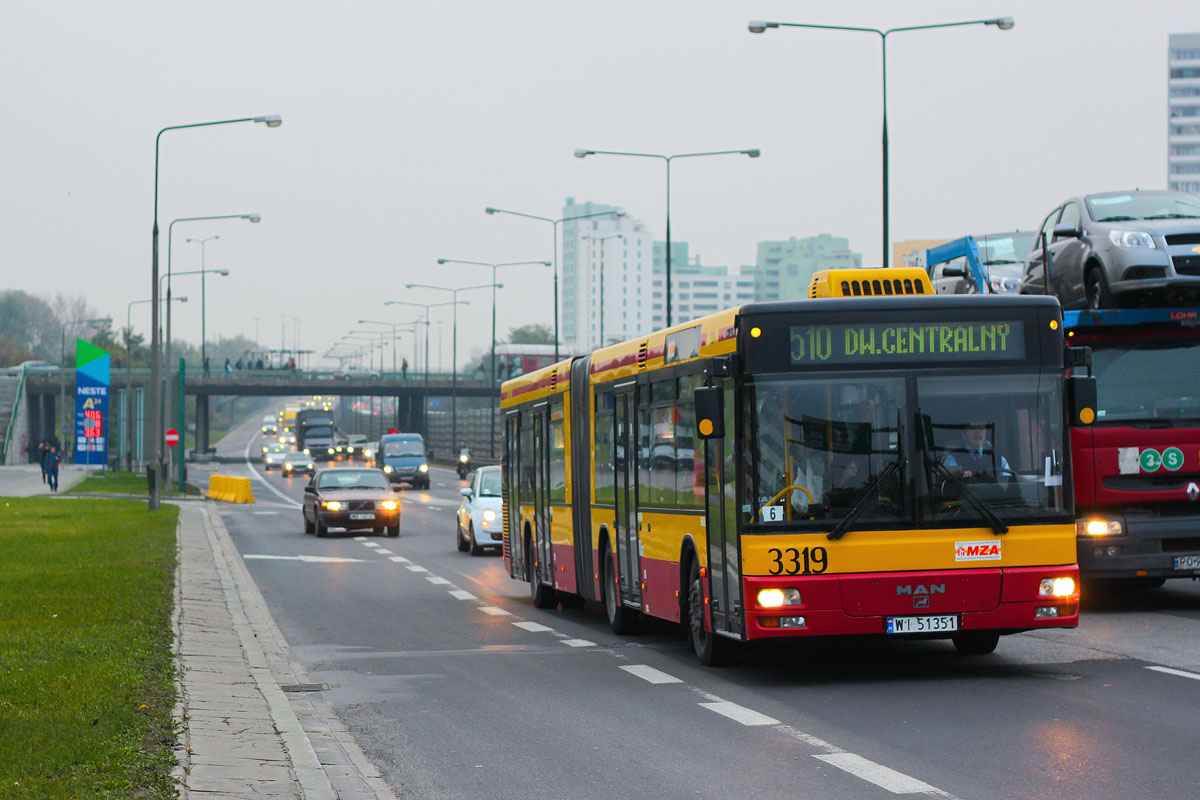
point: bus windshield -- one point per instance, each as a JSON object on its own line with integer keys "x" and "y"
{"x": 973, "y": 447}
{"x": 1147, "y": 380}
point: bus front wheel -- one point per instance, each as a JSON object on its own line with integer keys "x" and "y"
{"x": 711, "y": 649}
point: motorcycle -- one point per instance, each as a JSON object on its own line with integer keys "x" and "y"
{"x": 464, "y": 463}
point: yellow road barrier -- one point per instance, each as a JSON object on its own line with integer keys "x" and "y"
{"x": 229, "y": 489}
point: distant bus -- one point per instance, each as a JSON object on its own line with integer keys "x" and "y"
{"x": 513, "y": 360}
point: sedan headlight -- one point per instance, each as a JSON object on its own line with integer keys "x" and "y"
{"x": 1131, "y": 239}
{"x": 306, "y": 452}
{"x": 389, "y": 505}
{"x": 387, "y": 468}
{"x": 332, "y": 505}
{"x": 424, "y": 468}
{"x": 488, "y": 515}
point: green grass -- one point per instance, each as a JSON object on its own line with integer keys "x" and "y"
{"x": 86, "y": 671}
{"x": 116, "y": 482}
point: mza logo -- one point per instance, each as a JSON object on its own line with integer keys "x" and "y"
{"x": 976, "y": 551}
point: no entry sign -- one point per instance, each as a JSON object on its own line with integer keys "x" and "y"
{"x": 171, "y": 437}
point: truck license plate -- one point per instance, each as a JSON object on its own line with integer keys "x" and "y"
{"x": 927, "y": 624}
{"x": 1187, "y": 562}
{"x": 362, "y": 516}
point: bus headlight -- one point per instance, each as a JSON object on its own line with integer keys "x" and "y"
{"x": 774, "y": 598}
{"x": 1099, "y": 527}
{"x": 387, "y": 468}
{"x": 1056, "y": 587}
{"x": 424, "y": 468}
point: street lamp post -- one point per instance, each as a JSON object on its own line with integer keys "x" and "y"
{"x": 426, "y": 306}
{"x": 554, "y": 224}
{"x": 62, "y": 383}
{"x": 129, "y": 435}
{"x": 156, "y": 445}
{"x": 601, "y": 240}
{"x": 203, "y": 299}
{"x": 492, "y": 444}
{"x": 1001, "y": 23}
{"x": 453, "y": 346}
{"x": 667, "y": 159}
{"x": 394, "y": 326}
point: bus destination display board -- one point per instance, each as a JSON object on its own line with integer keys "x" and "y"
{"x": 856, "y": 343}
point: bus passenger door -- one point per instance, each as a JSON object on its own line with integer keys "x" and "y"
{"x": 625, "y": 448}
{"x": 513, "y": 546}
{"x": 724, "y": 568}
{"x": 541, "y": 495}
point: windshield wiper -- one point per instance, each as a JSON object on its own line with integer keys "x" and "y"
{"x": 843, "y": 525}
{"x": 997, "y": 524}
{"x": 1117, "y": 218}
{"x": 1173, "y": 216}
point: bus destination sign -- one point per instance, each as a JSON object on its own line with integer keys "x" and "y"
{"x": 896, "y": 342}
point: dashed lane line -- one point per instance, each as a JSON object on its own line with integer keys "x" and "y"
{"x": 578, "y": 643}
{"x": 535, "y": 627}
{"x": 399, "y": 559}
{"x": 383, "y": 551}
{"x": 650, "y": 674}
{"x": 416, "y": 568}
{"x": 462, "y": 594}
{"x": 1178, "y": 672}
{"x": 740, "y": 714}
{"x": 264, "y": 513}
{"x": 438, "y": 580}
{"x": 372, "y": 544}
{"x": 360, "y": 538}
{"x": 494, "y": 611}
{"x": 883, "y": 777}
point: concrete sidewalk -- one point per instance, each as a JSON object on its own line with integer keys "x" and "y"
{"x": 25, "y": 480}
{"x": 252, "y": 724}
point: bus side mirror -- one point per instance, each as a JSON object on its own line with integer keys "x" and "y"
{"x": 1081, "y": 396}
{"x": 710, "y": 412}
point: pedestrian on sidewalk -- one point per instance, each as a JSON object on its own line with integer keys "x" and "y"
{"x": 404, "y": 368}
{"x": 52, "y": 461}
{"x": 43, "y": 450}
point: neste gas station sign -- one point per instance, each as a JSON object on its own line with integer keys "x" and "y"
{"x": 91, "y": 403}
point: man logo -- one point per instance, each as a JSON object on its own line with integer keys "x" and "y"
{"x": 921, "y": 589}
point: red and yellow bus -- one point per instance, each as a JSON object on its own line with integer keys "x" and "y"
{"x": 873, "y": 460}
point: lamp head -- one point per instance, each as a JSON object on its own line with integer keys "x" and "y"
{"x": 270, "y": 120}
{"x": 546, "y": 264}
{"x": 223, "y": 272}
{"x": 181, "y": 299}
{"x": 441, "y": 261}
{"x": 489, "y": 210}
{"x": 753, "y": 152}
{"x": 620, "y": 212}
{"x": 409, "y": 285}
{"x": 1003, "y": 23}
{"x": 584, "y": 153}
{"x": 254, "y": 218}
{"x": 758, "y": 25}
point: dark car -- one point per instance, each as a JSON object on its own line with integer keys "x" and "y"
{"x": 1119, "y": 249}
{"x": 295, "y": 463}
{"x": 350, "y": 498}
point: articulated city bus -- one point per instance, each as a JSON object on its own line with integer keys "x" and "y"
{"x": 873, "y": 460}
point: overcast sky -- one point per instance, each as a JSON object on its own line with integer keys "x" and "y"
{"x": 403, "y": 120}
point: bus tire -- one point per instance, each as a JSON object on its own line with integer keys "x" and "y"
{"x": 541, "y": 595}
{"x": 975, "y": 643}
{"x": 711, "y": 649}
{"x": 622, "y": 620}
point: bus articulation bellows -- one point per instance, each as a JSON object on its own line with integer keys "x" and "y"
{"x": 873, "y": 460}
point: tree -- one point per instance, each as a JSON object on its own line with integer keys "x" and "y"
{"x": 30, "y": 324}
{"x": 12, "y": 353}
{"x": 531, "y": 334}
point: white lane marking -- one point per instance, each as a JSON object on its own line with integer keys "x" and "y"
{"x": 398, "y": 559}
{"x": 438, "y": 580}
{"x": 372, "y": 544}
{"x": 360, "y": 538}
{"x": 578, "y": 643}
{"x": 808, "y": 738}
{"x": 462, "y": 594}
{"x": 434, "y": 508}
{"x": 308, "y": 559}
{"x": 254, "y": 473}
{"x": 1178, "y": 672}
{"x": 536, "y": 627}
{"x": 495, "y": 612}
{"x": 740, "y": 714}
{"x": 264, "y": 513}
{"x": 415, "y": 568}
{"x": 383, "y": 551}
{"x": 439, "y": 483}
{"x": 883, "y": 777}
{"x": 650, "y": 674}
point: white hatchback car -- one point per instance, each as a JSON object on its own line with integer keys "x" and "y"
{"x": 479, "y": 523}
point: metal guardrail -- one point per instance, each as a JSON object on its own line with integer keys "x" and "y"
{"x": 12, "y": 417}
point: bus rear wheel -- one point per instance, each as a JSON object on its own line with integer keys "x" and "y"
{"x": 622, "y": 620}
{"x": 711, "y": 649}
{"x": 975, "y": 643}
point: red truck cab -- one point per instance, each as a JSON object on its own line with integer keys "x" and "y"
{"x": 1137, "y": 469}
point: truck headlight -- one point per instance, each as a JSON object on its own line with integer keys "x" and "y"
{"x": 1099, "y": 527}
{"x": 1131, "y": 239}
{"x": 424, "y": 468}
